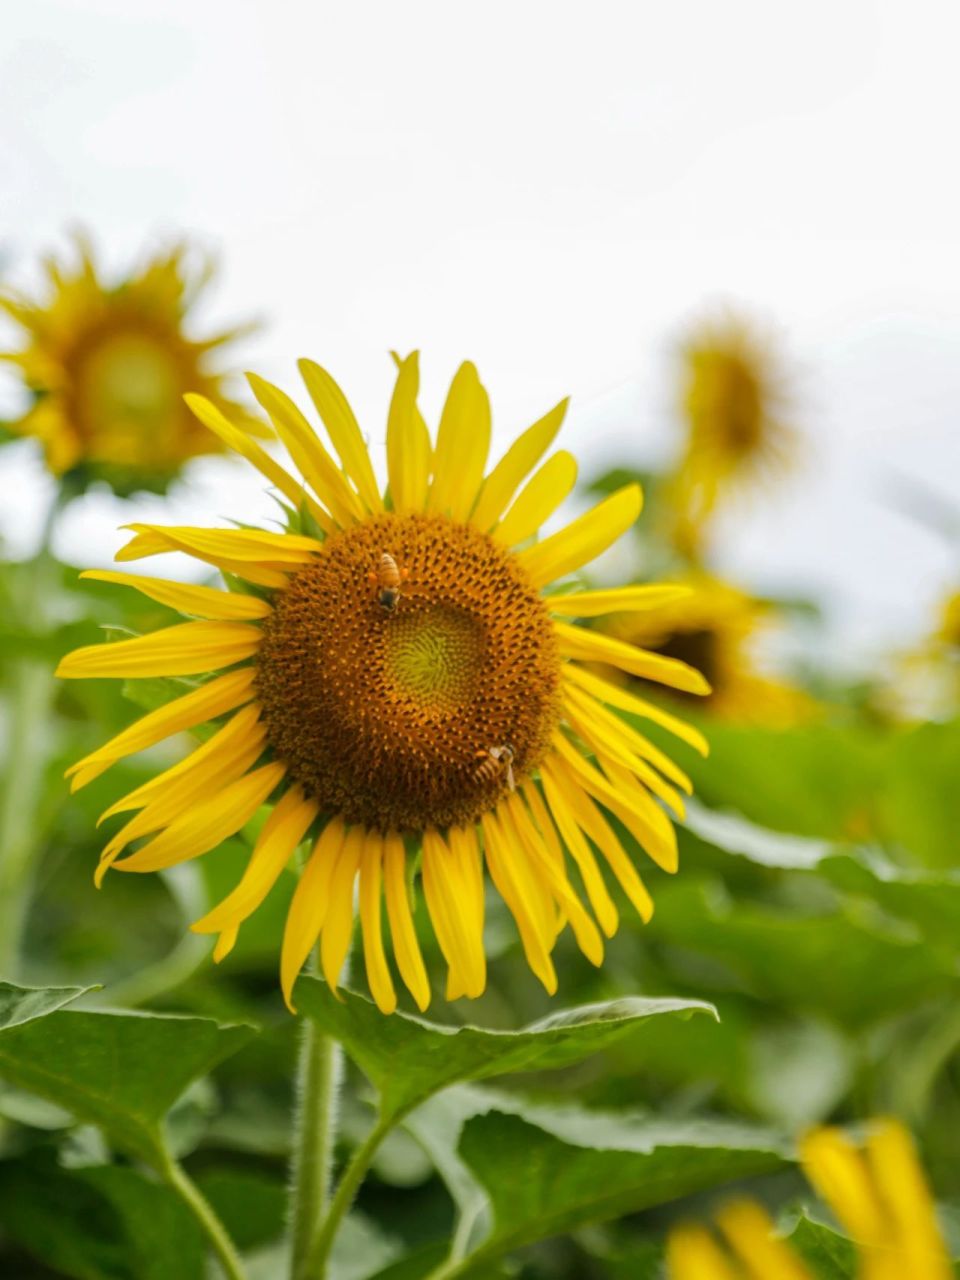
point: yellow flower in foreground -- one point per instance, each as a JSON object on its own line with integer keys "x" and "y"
{"x": 107, "y": 366}
{"x": 878, "y": 1193}
{"x": 733, "y": 403}
{"x": 401, "y": 687}
{"x": 715, "y": 627}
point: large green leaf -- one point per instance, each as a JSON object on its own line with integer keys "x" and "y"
{"x": 573, "y": 1167}
{"x": 100, "y": 1223}
{"x": 119, "y": 1071}
{"x": 409, "y": 1060}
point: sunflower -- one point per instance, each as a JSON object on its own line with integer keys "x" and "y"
{"x": 716, "y": 627}
{"x": 878, "y": 1193}
{"x": 405, "y": 691}
{"x": 734, "y": 405}
{"x": 106, "y": 367}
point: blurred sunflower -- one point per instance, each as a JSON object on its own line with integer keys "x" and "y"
{"x": 878, "y": 1193}
{"x": 402, "y": 686}
{"x": 734, "y": 404}
{"x": 107, "y": 365}
{"x": 715, "y": 628}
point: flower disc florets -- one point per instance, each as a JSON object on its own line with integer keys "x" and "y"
{"x": 387, "y": 716}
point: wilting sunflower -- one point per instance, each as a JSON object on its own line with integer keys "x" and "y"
{"x": 716, "y": 628}
{"x": 403, "y": 689}
{"x": 106, "y": 366}
{"x": 878, "y": 1193}
{"x": 735, "y": 405}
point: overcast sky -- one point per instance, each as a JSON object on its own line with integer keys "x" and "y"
{"x": 554, "y": 190}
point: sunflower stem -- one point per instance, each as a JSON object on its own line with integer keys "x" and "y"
{"x": 315, "y": 1131}
{"x": 180, "y": 1181}
{"x": 315, "y": 1263}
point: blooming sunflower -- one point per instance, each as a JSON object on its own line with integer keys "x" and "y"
{"x": 405, "y": 691}
{"x": 715, "y": 628}
{"x": 879, "y": 1194}
{"x": 107, "y": 365}
{"x": 734, "y": 404}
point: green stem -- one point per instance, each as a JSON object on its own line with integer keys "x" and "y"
{"x": 315, "y": 1264}
{"x": 177, "y": 1177}
{"x": 318, "y": 1083}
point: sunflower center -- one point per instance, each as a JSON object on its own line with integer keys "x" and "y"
{"x": 697, "y": 649}
{"x": 127, "y": 390}
{"x": 392, "y": 710}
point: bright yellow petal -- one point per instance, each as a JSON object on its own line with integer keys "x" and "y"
{"x": 626, "y": 734}
{"x": 899, "y": 1179}
{"x": 279, "y": 837}
{"x": 569, "y": 803}
{"x": 591, "y": 604}
{"x": 519, "y": 460}
{"x": 207, "y": 824}
{"x": 693, "y": 1254}
{"x": 309, "y": 905}
{"x": 281, "y": 550}
{"x": 240, "y": 442}
{"x": 580, "y": 851}
{"x": 344, "y": 430}
{"x": 408, "y": 442}
{"x": 184, "y": 650}
{"x": 217, "y": 697}
{"x": 453, "y": 912}
{"x": 614, "y": 696}
{"x": 338, "y": 924}
{"x": 750, "y": 1232}
{"x": 592, "y": 646}
{"x": 584, "y": 538}
{"x": 406, "y": 949}
{"x": 225, "y": 944}
{"x": 378, "y": 972}
{"x": 527, "y": 912}
{"x": 151, "y": 541}
{"x": 839, "y": 1172}
{"x": 304, "y": 446}
{"x": 198, "y": 602}
{"x": 537, "y": 501}
{"x": 463, "y": 442}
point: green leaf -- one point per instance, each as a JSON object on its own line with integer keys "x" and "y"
{"x": 409, "y": 1059}
{"x": 573, "y": 1167}
{"x": 101, "y": 1223}
{"x": 119, "y": 1071}
{"x": 830, "y": 1255}
{"x": 22, "y": 1004}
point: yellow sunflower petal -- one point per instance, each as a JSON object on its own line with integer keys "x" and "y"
{"x": 240, "y": 442}
{"x": 199, "y": 602}
{"x": 408, "y": 442}
{"x": 257, "y": 545}
{"x": 750, "y": 1232}
{"x": 207, "y": 824}
{"x": 344, "y": 430}
{"x": 447, "y": 892}
{"x": 592, "y": 646}
{"x": 591, "y": 604}
{"x": 899, "y": 1179}
{"x": 839, "y": 1172}
{"x": 693, "y": 1254}
{"x": 614, "y": 696}
{"x": 515, "y": 465}
{"x": 150, "y": 541}
{"x": 281, "y": 833}
{"x": 225, "y": 944}
{"x": 406, "y": 949}
{"x": 304, "y": 446}
{"x": 309, "y": 905}
{"x": 625, "y": 733}
{"x": 219, "y": 696}
{"x": 580, "y": 851}
{"x": 184, "y": 650}
{"x": 584, "y": 538}
{"x": 378, "y": 972}
{"x": 539, "y": 498}
{"x": 463, "y": 442}
{"x": 526, "y": 913}
{"x": 338, "y": 924}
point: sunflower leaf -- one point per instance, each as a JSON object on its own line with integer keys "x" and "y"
{"x": 409, "y": 1060}
{"x": 119, "y": 1071}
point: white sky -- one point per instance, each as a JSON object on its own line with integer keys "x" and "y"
{"x": 552, "y": 189}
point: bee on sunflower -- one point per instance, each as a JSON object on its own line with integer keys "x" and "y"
{"x": 735, "y": 406}
{"x": 404, "y": 682}
{"x": 878, "y": 1192}
{"x": 716, "y": 628}
{"x": 106, "y": 364}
